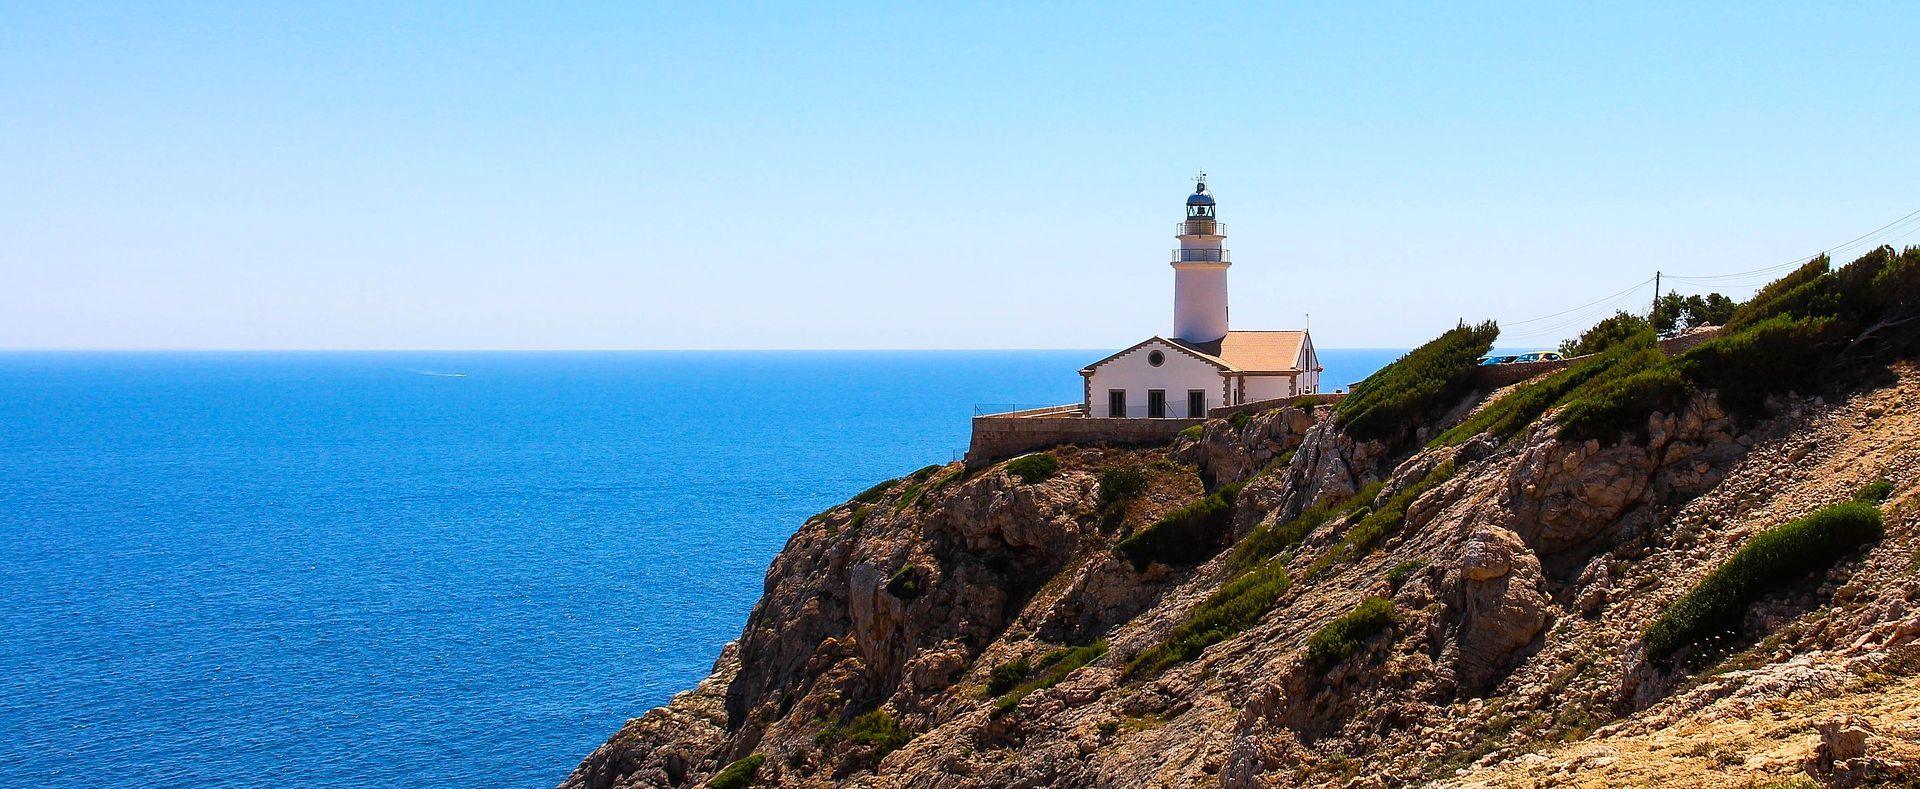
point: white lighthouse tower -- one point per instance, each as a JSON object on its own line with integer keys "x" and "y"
{"x": 1200, "y": 271}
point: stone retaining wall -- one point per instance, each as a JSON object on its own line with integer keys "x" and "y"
{"x": 998, "y": 437}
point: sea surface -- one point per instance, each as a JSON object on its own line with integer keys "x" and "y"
{"x": 387, "y": 569}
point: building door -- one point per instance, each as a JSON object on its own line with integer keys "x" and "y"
{"x": 1196, "y": 403}
{"x": 1156, "y": 403}
{"x": 1117, "y": 403}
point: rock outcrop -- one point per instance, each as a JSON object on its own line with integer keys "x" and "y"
{"x": 974, "y": 629}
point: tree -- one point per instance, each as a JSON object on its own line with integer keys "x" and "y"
{"x": 1604, "y": 334}
{"x": 1673, "y": 313}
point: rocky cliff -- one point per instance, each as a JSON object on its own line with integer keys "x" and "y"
{"x": 1278, "y": 601}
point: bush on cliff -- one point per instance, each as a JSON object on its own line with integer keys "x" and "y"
{"x": 874, "y": 493}
{"x": 1186, "y": 536}
{"x": 1875, "y": 492}
{"x": 1361, "y": 538}
{"x": 1266, "y": 542}
{"x": 1053, "y": 667}
{"x": 877, "y": 730}
{"x": 906, "y": 583}
{"x": 1408, "y": 392}
{"x": 1524, "y": 405}
{"x": 1343, "y": 637}
{"x": 1037, "y": 467}
{"x": 1234, "y": 607}
{"x": 1119, "y": 485}
{"x": 1007, "y": 676}
{"x": 739, "y": 775}
{"x": 1709, "y": 615}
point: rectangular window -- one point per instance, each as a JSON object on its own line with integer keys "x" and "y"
{"x": 1116, "y": 403}
{"x": 1196, "y": 403}
{"x": 1156, "y": 403}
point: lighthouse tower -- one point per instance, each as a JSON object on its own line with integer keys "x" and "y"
{"x": 1200, "y": 271}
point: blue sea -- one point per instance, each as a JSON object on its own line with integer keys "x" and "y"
{"x": 379, "y": 569}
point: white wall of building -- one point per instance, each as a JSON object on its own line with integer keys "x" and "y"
{"x": 1178, "y": 374}
{"x": 1268, "y": 387}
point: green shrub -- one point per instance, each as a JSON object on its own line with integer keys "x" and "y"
{"x": 1528, "y": 401}
{"x": 1771, "y": 298}
{"x": 1037, "y": 467}
{"x": 1398, "y": 575}
{"x": 1778, "y": 354}
{"x": 1344, "y": 636}
{"x": 1305, "y": 403}
{"x": 874, "y": 493}
{"x": 925, "y": 471}
{"x": 1389, "y": 403}
{"x": 1054, "y": 667}
{"x": 1186, "y": 536}
{"x": 1710, "y": 613}
{"x": 1233, "y": 608}
{"x": 1192, "y": 431}
{"x": 905, "y": 582}
{"x": 1007, "y": 676}
{"x": 1622, "y": 327}
{"x": 937, "y": 483}
{"x": 1267, "y": 542}
{"x": 875, "y": 729}
{"x": 860, "y": 516}
{"x": 1239, "y": 419}
{"x": 1876, "y": 492}
{"x": 1618, "y": 405}
{"x": 739, "y": 775}
{"x": 1119, "y": 485}
{"x": 1383, "y": 520}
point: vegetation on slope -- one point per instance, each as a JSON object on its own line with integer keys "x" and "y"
{"x": 1234, "y": 607}
{"x": 1418, "y": 385}
{"x": 1037, "y": 467}
{"x": 1606, "y": 334}
{"x": 1256, "y": 578}
{"x": 1362, "y": 537}
{"x": 740, "y": 774}
{"x": 1801, "y": 333}
{"x": 1344, "y": 636}
{"x": 876, "y": 730}
{"x": 1709, "y": 615}
{"x": 1186, "y": 536}
{"x": 1053, "y": 667}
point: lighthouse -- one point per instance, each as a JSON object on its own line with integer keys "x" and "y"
{"x": 1200, "y": 270}
{"x": 1203, "y": 365}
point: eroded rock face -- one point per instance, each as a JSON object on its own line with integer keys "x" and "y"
{"x": 1564, "y": 494}
{"x": 1495, "y": 605}
{"x": 1329, "y": 466}
{"x": 1230, "y": 454}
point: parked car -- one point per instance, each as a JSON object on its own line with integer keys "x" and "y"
{"x": 1538, "y": 356}
{"x": 1486, "y": 360}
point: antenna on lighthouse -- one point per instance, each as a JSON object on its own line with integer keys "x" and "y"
{"x": 1201, "y": 179}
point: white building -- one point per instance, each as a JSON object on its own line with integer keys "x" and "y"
{"x": 1204, "y": 364}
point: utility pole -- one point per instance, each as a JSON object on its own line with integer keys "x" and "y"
{"x": 1654, "y": 314}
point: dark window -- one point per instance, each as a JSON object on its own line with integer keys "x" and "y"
{"x": 1196, "y": 403}
{"x": 1116, "y": 402}
{"x": 1156, "y": 403}
{"x": 1156, "y": 358}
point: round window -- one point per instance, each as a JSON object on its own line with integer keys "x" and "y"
{"x": 1156, "y": 358}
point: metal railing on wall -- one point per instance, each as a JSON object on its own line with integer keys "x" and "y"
{"x": 1027, "y": 409}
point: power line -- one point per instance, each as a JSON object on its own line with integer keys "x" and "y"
{"x": 1634, "y": 287}
{"x": 1801, "y": 261}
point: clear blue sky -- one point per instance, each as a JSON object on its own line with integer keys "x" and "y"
{"x": 692, "y": 175}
